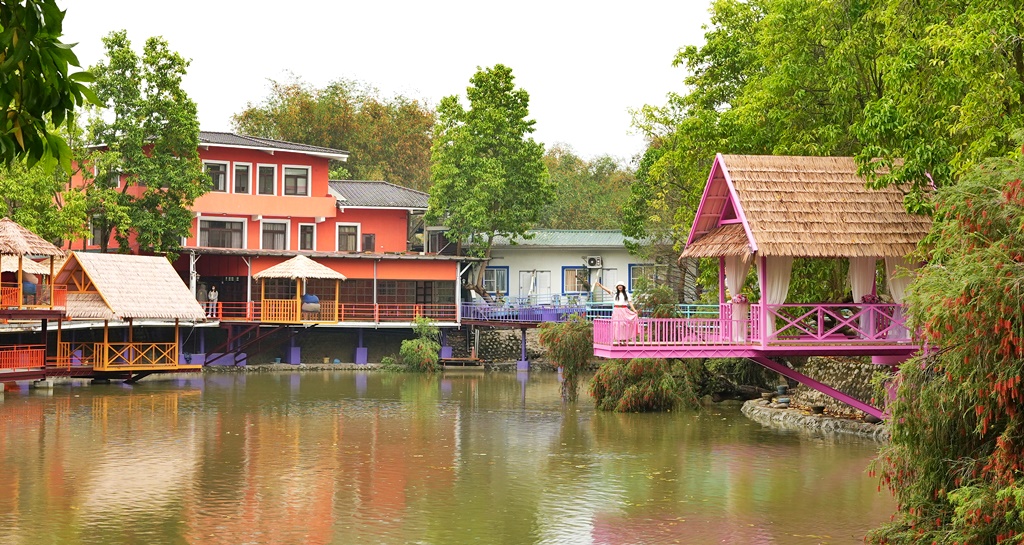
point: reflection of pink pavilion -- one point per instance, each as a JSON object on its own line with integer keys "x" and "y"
{"x": 764, "y": 211}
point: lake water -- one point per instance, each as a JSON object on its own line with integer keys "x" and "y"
{"x": 354, "y": 457}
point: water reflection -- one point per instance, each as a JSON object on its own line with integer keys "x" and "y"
{"x": 355, "y": 457}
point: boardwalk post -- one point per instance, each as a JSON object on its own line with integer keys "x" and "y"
{"x": 523, "y": 364}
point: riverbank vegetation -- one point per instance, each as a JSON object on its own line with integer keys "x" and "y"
{"x": 957, "y": 450}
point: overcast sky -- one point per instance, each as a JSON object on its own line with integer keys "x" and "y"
{"x": 584, "y": 64}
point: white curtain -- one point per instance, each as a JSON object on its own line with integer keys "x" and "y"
{"x": 736, "y": 269}
{"x": 862, "y": 282}
{"x": 776, "y": 285}
{"x": 898, "y": 275}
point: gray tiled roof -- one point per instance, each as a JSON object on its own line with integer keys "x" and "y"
{"x": 237, "y": 140}
{"x": 568, "y": 238}
{"x": 358, "y": 193}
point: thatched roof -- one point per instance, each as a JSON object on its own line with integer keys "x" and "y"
{"x": 801, "y": 207}
{"x": 10, "y": 264}
{"x": 297, "y": 267}
{"x": 129, "y": 286}
{"x": 17, "y": 240}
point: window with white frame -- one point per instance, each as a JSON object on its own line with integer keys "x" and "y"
{"x": 307, "y": 236}
{"x": 221, "y": 234}
{"x": 648, "y": 271}
{"x": 348, "y": 238}
{"x": 96, "y": 230}
{"x": 496, "y": 280}
{"x": 574, "y": 279}
{"x": 266, "y": 179}
{"x": 218, "y": 172}
{"x": 296, "y": 181}
{"x": 274, "y": 236}
{"x": 243, "y": 178}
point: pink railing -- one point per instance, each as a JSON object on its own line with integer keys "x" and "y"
{"x": 741, "y": 325}
{"x": 831, "y": 322}
{"x": 26, "y": 356}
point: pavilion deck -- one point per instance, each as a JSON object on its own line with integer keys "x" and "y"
{"x": 289, "y": 311}
{"x": 799, "y": 329}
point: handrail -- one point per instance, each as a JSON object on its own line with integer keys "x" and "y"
{"x": 27, "y": 356}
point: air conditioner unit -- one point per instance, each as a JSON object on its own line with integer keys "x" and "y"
{"x": 594, "y": 262}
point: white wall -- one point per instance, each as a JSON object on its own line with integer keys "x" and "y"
{"x": 525, "y": 259}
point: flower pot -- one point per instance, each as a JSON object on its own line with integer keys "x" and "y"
{"x": 767, "y": 396}
{"x": 782, "y": 389}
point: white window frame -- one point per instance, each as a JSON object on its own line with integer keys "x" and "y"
{"x": 658, "y": 269}
{"x": 234, "y": 172}
{"x": 495, "y": 269}
{"x": 228, "y": 175}
{"x": 298, "y": 239}
{"x": 359, "y": 235}
{"x": 199, "y": 229}
{"x": 256, "y": 179}
{"x": 287, "y": 233}
{"x": 309, "y": 180}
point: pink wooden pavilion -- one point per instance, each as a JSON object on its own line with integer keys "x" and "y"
{"x": 764, "y": 211}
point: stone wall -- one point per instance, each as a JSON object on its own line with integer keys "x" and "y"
{"x": 795, "y": 419}
{"x": 851, "y": 376}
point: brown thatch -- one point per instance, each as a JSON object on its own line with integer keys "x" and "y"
{"x": 721, "y": 241}
{"x": 17, "y": 240}
{"x": 10, "y": 264}
{"x": 131, "y": 286}
{"x": 810, "y": 207}
{"x": 88, "y": 306}
{"x": 297, "y": 267}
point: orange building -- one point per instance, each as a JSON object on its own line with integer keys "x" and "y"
{"x": 273, "y": 200}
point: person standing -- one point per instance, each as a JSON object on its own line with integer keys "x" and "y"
{"x": 211, "y": 300}
{"x": 624, "y": 316}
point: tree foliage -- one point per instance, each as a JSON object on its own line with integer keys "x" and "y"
{"x": 37, "y": 89}
{"x": 40, "y": 200}
{"x": 388, "y": 138}
{"x": 956, "y": 456}
{"x": 587, "y": 194}
{"x": 639, "y": 385}
{"x": 421, "y": 354}
{"x": 570, "y": 345}
{"x": 489, "y": 176}
{"x": 151, "y": 147}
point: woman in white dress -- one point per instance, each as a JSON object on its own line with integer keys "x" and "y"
{"x": 624, "y": 316}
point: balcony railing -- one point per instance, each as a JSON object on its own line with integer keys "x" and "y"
{"x": 791, "y": 324}
{"x": 288, "y": 311}
{"x": 136, "y": 356}
{"x": 9, "y": 297}
{"x": 25, "y": 356}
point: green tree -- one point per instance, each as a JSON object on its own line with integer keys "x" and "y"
{"x": 388, "y": 138}
{"x": 588, "y": 194}
{"x": 36, "y": 87}
{"x": 489, "y": 176}
{"x": 148, "y": 171}
{"x": 421, "y": 353}
{"x": 956, "y": 456}
{"x": 39, "y": 199}
{"x": 953, "y": 90}
{"x": 570, "y": 345}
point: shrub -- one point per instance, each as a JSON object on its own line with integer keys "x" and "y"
{"x": 570, "y": 345}
{"x": 639, "y": 385}
{"x": 422, "y": 353}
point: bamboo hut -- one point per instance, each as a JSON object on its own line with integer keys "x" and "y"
{"x": 22, "y": 289}
{"x": 126, "y": 288}
{"x": 299, "y": 290}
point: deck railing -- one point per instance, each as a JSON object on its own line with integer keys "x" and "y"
{"x": 24, "y": 356}
{"x": 128, "y": 356}
{"x": 794, "y": 324}
{"x": 69, "y": 354}
{"x": 41, "y": 299}
{"x": 287, "y": 311}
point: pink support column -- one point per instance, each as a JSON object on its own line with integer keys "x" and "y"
{"x": 721, "y": 281}
{"x": 823, "y": 388}
{"x": 762, "y": 282}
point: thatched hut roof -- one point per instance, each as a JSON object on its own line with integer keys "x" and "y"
{"x": 297, "y": 267}
{"x": 27, "y": 265}
{"x": 800, "y": 207}
{"x": 17, "y": 240}
{"x": 128, "y": 287}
